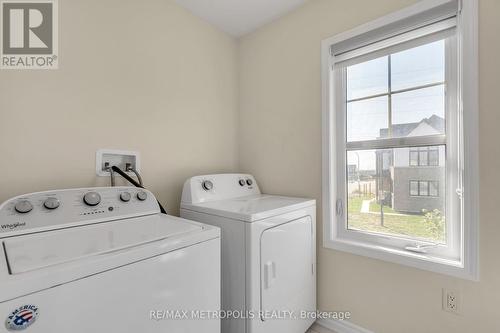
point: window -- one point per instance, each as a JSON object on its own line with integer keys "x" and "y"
{"x": 426, "y": 156}
{"x": 394, "y": 101}
{"x": 395, "y": 111}
{"x": 424, "y": 188}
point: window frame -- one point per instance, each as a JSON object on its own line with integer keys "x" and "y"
{"x": 466, "y": 266}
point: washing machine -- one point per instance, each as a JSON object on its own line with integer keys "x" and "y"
{"x": 105, "y": 260}
{"x": 268, "y": 252}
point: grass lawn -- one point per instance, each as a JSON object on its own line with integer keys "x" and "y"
{"x": 400, "y": 224}
{"x": 375, "y": 207}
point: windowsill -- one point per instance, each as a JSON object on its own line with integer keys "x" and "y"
{"x": 417, "y": 260}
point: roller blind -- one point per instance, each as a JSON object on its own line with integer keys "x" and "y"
{"x": 440, "y": 18}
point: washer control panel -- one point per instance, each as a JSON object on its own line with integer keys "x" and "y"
{"x": 64, "y": 208}
{"x": 218, "y": 187}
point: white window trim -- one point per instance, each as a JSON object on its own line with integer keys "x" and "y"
{"x": 467, "y": 33}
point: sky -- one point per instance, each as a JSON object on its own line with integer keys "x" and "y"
{"x": 410, "y": 68}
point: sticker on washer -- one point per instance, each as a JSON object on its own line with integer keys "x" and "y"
{"x": 22, "y": 317}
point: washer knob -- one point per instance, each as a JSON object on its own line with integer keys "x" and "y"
{"x": 125, "y": 196}
{"x": 51, "y": 203}
{"x": 241, "y": 182}
{"x": 249, "y": 182}
{"x": 23, "y": 206}
{"x": 207, "y": 185}
{"x": 142, "y": 195}
{"x": 92, "y": 198}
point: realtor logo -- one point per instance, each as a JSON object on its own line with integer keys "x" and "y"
{"x": 29, "y": 34}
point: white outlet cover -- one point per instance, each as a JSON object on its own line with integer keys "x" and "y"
{"x": 101, "y": 154}
{"x": 457, "y": 301}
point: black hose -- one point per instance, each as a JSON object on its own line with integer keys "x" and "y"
{"x": 133, "y": 182}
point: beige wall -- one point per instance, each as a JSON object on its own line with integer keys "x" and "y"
{"x": 153, "y": 78}
{"x": 145, "y": 76}
{"x": 280, "y": 143}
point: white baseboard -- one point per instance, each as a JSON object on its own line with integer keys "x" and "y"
{"x": 341, "y": 326}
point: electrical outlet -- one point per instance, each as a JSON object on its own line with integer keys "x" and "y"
{"x": 451, "y": 301}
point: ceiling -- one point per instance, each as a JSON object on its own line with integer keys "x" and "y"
{"x": 239, "y": 17}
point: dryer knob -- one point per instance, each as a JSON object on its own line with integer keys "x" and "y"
{"x": 207, "y": 185}
{"x": 142, "y": 195}
{"x": 249, "y": 182}
{"x": 92, "y": 198}
{"x": 23, "y": 206}
{"x": 242, "y": 182}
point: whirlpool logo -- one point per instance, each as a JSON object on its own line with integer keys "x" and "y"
{"x": 10, "y": 226}
{"x": 22, "y": 317}
{"x": 29, "y": 34}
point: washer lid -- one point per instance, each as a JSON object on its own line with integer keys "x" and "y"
{"x": 29, "y": 252}
{"x": 251, "y": 208}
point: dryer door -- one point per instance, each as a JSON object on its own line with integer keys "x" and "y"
{"x": 287, "y": 272}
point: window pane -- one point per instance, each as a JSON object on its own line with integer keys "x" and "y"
{"x": 423, "y": 188}
{"x": 399, "y": 199}
{"x": 422, "y": 158}
{"x": 366, "y": 119}
{"x": 413, "y": 187}
{"x": 433, "y": 157}
{"x": 413, "y": 158}
{"x": 418, "y": 66}
{"x": 419, "y": 112}
{"x": 433, "y": 188}
{"x": 368, "y": 78}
